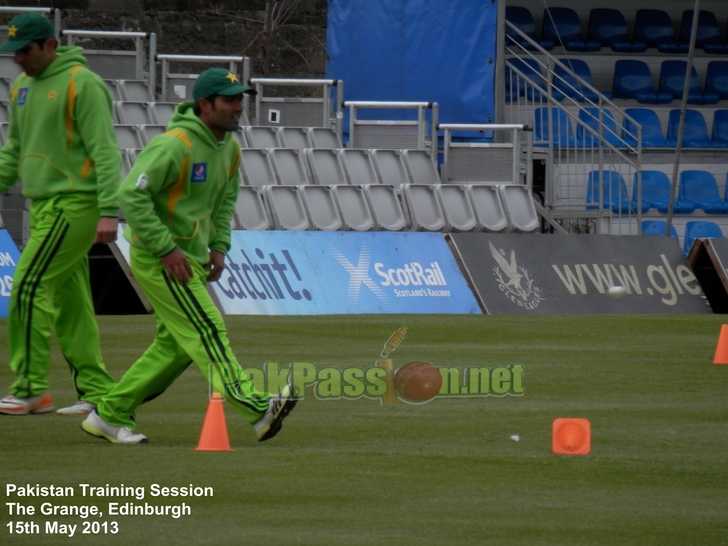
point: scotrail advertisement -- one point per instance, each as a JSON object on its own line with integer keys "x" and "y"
{"x": 308, "y": 273}
{"x": 9, "y": 257}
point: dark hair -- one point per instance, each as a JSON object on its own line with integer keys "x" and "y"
{"x": 210, "y": 99}
{"x": 42, "y": 41}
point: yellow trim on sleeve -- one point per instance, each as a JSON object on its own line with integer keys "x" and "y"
{"x": 176, "y": 191}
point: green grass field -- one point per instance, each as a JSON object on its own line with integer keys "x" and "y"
{"x": 444, "y": 472}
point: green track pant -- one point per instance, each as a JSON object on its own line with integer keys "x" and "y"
{"x": 189, "y": 329}
{"x": 51, "y": 291}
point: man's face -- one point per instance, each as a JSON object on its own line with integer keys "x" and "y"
{"x": 223, "y": 115}
{"x": 34, "y": 59}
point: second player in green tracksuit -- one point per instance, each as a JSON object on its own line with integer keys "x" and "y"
{"x": 180, "y": 196}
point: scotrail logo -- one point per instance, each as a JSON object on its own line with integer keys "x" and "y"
{"x": 416, "y": 382}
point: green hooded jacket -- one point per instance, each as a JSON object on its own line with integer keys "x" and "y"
{"x": 61, "y": 138}
{"x": 182, "y": 190}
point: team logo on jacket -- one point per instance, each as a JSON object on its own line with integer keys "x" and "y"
{"x": 22, "y": 95}
{"x": 199, "y": 172}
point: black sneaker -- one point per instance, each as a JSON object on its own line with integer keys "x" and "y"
{"x": 278, "y": 409}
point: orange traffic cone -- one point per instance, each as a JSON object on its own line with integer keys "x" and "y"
{"x": 571, "y": 437}
{"x": 721, "y": 351}
{"x": 214, "y": 435}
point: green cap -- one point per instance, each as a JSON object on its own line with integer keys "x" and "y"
{"x": 25, "y": 28}
{"x": 218, "y": 81}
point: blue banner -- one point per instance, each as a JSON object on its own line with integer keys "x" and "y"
{"x": 9, "y": 257}
{"x": 316, "y": 273}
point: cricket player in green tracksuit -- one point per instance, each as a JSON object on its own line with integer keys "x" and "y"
{"x": 178, "y": 200}
{"x": 62, "y": 146}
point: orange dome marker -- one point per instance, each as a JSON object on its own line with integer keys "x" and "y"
{"x": 721, "y": 351}
{"x": 214, "y": 435}
{"x": 571, "y": 436}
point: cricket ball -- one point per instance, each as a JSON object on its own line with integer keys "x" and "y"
{"x": 418, "y": 381}
{"x": 616, "y": 292}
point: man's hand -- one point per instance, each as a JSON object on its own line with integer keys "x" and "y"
{"x": 215, "y": 265}
{"x": 106, "y": 230}
{"x": 177, "y": 266}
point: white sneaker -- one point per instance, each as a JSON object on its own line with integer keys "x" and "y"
{"x": 12, "y": 405}
{"x": 79, "y": 408}
{"x": 278, "y": 409}
{"x": 95, "y": 426}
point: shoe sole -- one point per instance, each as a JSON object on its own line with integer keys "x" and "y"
{"x": 23, "y": 411}
{"x": 75, "y": 414}
{"x": 98, "y": 433}
{"x": 277, "y": 423}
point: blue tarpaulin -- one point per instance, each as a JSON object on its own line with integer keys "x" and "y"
{"x": 416, "y": 50}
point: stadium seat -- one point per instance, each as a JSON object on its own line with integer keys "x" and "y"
{"x": 569, "y": 86}
{"x": 286, "y": 207}
{"x": 456, "y": 206}
{"x": 295, "y": 137}
{"x": 695, "y": 134}
{"x": 326, "y": 166}
{"x": 240, "y": 137}
{"x": 290, "y": 166}
{"x": 654, "y": 27}
{"x": 716, "y": 78}
{"x": 700, "y": 230}
{"x": 531, "y": 70}
{"x": 128, "y": 136}
{"x": 320, "y": 208}
{"x": 522, "y": 18}
{"x": 423, "y": 207}
{"x": 519, "y": 208}
{"x": 353, "y": 208}
{"x": 358, "y": 166}
{"x": 616, "y": 196}
{"x": 323, "y": 137}
{"x": 257, "y": 168}
{"x": 262, "y": 136}
{"x": 135, "y": 91}
{"x": 672, "y": 81}
{"x": 488, "y": 208}
{"x": 559, "y": 129}
{"x": 658, "y": 228}
{"x": 390, "y": 167}
{"x": 633, "y": 80}
{"x": 4, "y": 112}
{"x": 652, "y": 136}
{"x": 163, "y": 111}
{"x": 4, "y": 132}
{"x": 148, "y": 132}
{"x": 656, "y": 189}
{"x": 250, "y": 211}
{"x": 609, "y": 27}
{"x": 720, "y": 126}
{"x": 701, "y": 189}
{"x": 708, "y": 32}
{"x": 562, "y": 25}
{"x": 135, "y": 113}
{"x": 590, "y": 116}
{"x": 385, "y": 207}
{"x": 420, "y": 168}
{"x": 5, "y": 84}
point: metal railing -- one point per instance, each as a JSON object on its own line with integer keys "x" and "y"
{"x": 177, "y": 86}
{"x": 17, "y": 9}
{"x": 116, "y": 64}
{"x": 323, "y": 111}
{"x": 578, "y": 139}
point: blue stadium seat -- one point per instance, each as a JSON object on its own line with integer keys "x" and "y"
{"x": 654, "y": 27}
{"x": 672, "y": 80}
{"x": 701, "y": 189}
{"x": 522, "y": 18}
{"x": 562, "y": 25}
{"x": 700, "y": 230}
{"x": 559, "y": 129}
{"x": 658, "y": 227}
{"x": 616, "y": 196}
{"x": 609, "y": 27}
{"x": 590, "y": 116}
{"x": 696, "y": 130}
{"x": 531, "y": 69}
{"x": 720, "y": 126}
{"x": 716, "y": 78}
{"x": 708, "y": 33}
{"x": 568, "y": 84}
{"x": 633, "y": 80}
{"x": 652, "y": 136}
{"x": 656, "y": 194}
